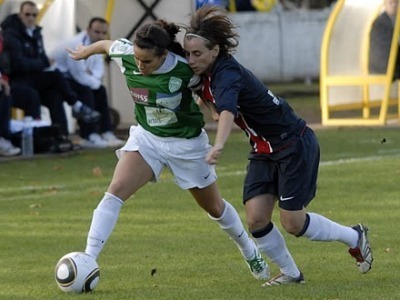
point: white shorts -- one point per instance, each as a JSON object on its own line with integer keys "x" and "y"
{"x": 185, "y": 158}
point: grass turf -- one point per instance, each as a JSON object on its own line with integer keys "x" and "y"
{"x": 46, "y": 207}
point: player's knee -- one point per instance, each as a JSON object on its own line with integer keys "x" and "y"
{"x": 120, "y": 189}
{"x": 292, "y": 226}
{"x": 293, "y": 221}
{"x": 255, "y": 224}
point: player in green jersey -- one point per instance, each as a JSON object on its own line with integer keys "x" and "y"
{"x": 169, "y": 134}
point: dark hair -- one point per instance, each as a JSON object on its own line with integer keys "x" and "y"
{"x": 160, "y": 36}
{"x": 97, "y": 19}
{"x": 27, "y": 3}
{"x": 213, "y": 24}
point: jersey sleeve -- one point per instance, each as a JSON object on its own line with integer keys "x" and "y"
{"x": 121, "y": 47}
{"x": 195, "y": 83}
{"x": 226, "y": 89}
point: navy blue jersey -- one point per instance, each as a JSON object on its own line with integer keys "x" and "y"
{"x": 269, "y": 121}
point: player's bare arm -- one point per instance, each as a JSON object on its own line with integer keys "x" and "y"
{"x": 206, "y": 106}
{"x": 83, "y": 52}
{"x": 225, "y": 123}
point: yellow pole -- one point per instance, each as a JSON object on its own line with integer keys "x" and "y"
{"x": 324, "y": 61}
{"x": 232, "y": 6}
{"x": 109, "y": 10}
{"x": 45, "y": 7}
{"x": 391, "y": 67}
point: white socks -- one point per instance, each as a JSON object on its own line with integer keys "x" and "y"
{"x": 323, "y": 229}
{"x": 274, "y": 247}
{"x": 106, "y": 214}
{"x": 230, "y": 222}
{"x": 105, "y": 217}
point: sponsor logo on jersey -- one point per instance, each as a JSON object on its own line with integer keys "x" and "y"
{"x": 171, "y": 101}
{"x": 175, "y": 84}
{"x": 140, "y": 95}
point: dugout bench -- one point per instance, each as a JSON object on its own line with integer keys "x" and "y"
{"x": 349, "y": 94}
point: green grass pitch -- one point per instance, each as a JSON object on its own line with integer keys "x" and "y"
{"x": 46, "y": 207}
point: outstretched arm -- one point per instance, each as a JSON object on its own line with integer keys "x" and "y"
{"x": 225, "y": 123}
{"x": 83, "y": 52}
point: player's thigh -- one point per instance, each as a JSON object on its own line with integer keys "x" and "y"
{"x": 298, "y": 174}
{"x": 186, "y": 160}
{"x": 209, "y": 199}
{"x": 261, "y": 178}
{"x": 131, "y": 173}
{"x": 259, "y": 211}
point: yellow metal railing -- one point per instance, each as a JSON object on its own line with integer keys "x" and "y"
{"x": 362, "y": 81}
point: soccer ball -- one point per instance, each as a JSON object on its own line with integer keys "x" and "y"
{"x": 77, "y": 272}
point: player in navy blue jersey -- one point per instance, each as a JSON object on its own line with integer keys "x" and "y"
{"x": 284, "y": 159}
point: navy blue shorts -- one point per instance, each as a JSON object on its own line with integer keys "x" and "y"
{"x": 290, "y": 175}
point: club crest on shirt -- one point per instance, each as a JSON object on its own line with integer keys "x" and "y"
{"x": 174, "y": 84}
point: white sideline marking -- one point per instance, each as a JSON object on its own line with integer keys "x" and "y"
{"x": 327, "y": 163}
{"x": 30, "y": 188}
{"x": 231, "y": 173}
{"x": 355, "y": 160}
{"x": 25, "y": 197}
{"x": 33, "y": 188}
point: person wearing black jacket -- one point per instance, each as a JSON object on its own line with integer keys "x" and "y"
{"x": 381, "y": 40}
{"x": 6, "y": 147}
{"x": 31, "y": 67}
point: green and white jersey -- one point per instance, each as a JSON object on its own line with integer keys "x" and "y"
{"x": 164, "y": 104}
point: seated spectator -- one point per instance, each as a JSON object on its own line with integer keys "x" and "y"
{"x": 223, "y": 3}
{"x": 28, "y": 100}
{"x": 85, "y": 78}
{"x": 6, "y": 147}
{"x": 305, "y": 4}
{"x": 244, "y": 5}
{"x": 255, "y": 5}
{"x": 381, "y": 40}
{"x": 30, "y": 67}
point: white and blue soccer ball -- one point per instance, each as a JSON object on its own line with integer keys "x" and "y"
{"x": 77, "y": 272}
